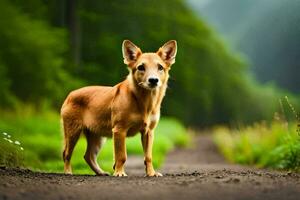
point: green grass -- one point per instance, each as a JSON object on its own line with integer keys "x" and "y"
{"x": 11, "y": 153}
{"x": 40, "y": 136}
{"x": 275, "y": 146}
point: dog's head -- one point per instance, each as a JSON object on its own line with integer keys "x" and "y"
{"x": 149, "y": 70}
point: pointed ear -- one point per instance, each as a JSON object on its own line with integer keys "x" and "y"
{"x": 130, "y": 52}
{"x": 168, "y": 52}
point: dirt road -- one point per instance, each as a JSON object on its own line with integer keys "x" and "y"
{"x": 196, "y": 173}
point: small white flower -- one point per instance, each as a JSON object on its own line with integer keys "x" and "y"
{"x": 10, "y": 141}
{"x": 4, "y": 133}
{"x": 17, "y": 142}
{"x": 5, "y": 139}
{"x": 22, "y": 148}
{"x": 8, "y": 136}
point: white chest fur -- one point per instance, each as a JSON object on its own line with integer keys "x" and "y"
{"x": 153, "y": 118}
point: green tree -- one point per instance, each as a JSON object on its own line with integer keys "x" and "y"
{"x": 32, "y": 56}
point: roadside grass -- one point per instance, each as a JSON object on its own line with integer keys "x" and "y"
{"x": 40, "y": 136}
{"x": 11, "y": 151}
{"x": 275, "y": 146}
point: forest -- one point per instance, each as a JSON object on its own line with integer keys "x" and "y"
{"x": 266, "y": 32}
{"x": 49, "y": 48}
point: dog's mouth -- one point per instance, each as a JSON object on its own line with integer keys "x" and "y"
{"x": 148, "y": 86}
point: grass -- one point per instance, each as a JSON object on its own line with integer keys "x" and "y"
{"x": 11, "y": 151}
{"x": 41, "y": 140}
{"x": 275, "y": 146}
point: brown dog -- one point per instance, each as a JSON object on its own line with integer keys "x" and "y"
{"x": 120, "y": 111}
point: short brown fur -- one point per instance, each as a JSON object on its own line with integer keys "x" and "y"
{"x": 122, "y": 110}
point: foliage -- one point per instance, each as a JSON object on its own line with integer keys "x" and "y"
{"x": 11, "y": 151}
{"x": 209, "y": 83}
{"x": 40, "y": 136}
{"x": 31, "y": 56}
{"x": 276, "y": 146}
{"x": 6, "y": 96}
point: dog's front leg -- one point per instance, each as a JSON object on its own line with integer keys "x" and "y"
{"x": 147, "y": 142}
{"x": 120, "y": 154}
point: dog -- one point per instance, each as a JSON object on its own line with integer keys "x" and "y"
{"x": 120, "y": 111}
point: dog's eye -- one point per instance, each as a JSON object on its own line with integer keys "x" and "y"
{"x": 160, "y": 67}
{"x": 141, "y": 67}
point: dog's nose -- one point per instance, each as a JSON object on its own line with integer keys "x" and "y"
{"x": 153, "y": 81}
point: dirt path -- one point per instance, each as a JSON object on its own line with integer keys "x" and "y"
{"x": 196, "y": 173}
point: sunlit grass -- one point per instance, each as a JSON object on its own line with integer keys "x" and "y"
{"x": 41, "y": 137}
{"x": 276, "y": 145}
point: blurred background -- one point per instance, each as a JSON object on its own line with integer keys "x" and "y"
{"x": 236, "y": 62}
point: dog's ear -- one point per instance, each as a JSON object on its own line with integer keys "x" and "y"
{"x": 130, "y": 52}
{"x": 168, "y": 52}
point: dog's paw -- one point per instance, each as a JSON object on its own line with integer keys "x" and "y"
{"x": 119, "y": 174}
{"x": 103, "y": 174}
{"x": 154, "y": 174}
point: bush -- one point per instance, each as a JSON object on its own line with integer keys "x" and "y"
{"x": 275, "y": 146}
{"x": 11, "y": 151}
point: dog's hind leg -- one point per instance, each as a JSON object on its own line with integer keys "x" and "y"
{"x": 71, "y": 136}
{"x": 94, "y": 144}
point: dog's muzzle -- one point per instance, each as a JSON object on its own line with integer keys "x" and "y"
{"x": 153, "y": 82}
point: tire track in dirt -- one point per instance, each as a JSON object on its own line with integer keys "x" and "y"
{"x": 195, "y": 173}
